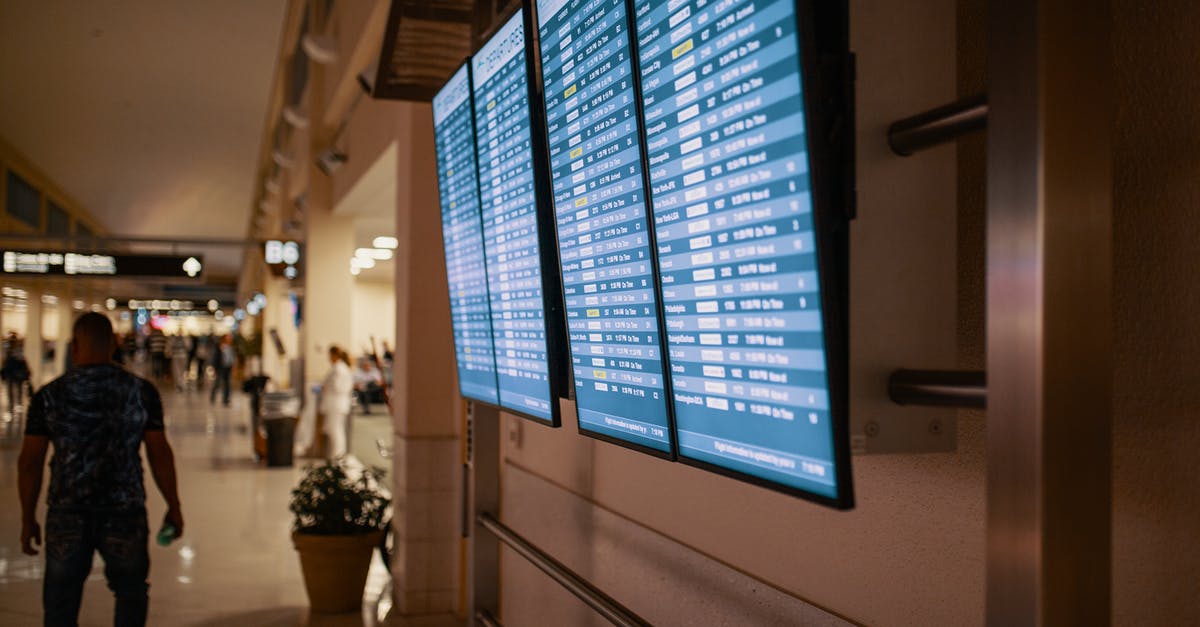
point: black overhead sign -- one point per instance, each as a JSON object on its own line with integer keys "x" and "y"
{"x": 86, "y": 264}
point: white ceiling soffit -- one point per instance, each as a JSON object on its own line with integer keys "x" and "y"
{"x": 148, "y": 113}
{"x": 374, "y": 193}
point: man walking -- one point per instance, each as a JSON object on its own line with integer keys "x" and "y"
{"x": 96, "y": 416}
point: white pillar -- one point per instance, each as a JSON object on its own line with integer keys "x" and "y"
{"x": 427, "y": 411}
{"x": 328, "y": 285}
{"x": 33, "y": 336}
{"x": 66, "y": 321}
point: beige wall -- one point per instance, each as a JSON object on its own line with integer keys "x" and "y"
{"x": 374, "y": 315}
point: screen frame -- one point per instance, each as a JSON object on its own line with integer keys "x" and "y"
{"x": 670, "y": 454}
{"x": 450, "y": 299}
{"x": 826, "y": 74}
{"x": 554, "y": 315}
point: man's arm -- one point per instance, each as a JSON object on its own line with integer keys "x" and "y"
{"x": 31, "y": 464}
{"x": 162, "y": 467}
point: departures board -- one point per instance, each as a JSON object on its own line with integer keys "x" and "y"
{"x": 604, "y": 234}
{"x": 511, "y": 231}
{"x": 462, "y": 236}
{"x": 731, "y": 192}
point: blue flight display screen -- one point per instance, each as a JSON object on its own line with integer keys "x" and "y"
{"x": 733, "y": 213}
{"x": 510, "y": 225}
{"x": 462, "y": 236}
{"x": 603, "y": 230}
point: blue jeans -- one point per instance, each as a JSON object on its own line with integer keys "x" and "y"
{"x": 72, "y": 537}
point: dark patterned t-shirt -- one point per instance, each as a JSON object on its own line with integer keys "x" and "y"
{"x": 96, "y": 416}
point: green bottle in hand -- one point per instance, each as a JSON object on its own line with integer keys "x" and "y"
{"x": 167, "y": 534}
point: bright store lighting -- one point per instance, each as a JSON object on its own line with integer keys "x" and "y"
{"x": 378, "y": 254}
{"x": 386, "y": 242}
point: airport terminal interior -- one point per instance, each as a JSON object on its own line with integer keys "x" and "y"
{"x": 633, "y": 312}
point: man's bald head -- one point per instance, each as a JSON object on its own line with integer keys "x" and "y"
{"x": 92, "y": 340}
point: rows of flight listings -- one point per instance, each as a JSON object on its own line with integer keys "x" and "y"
{"x": 682, "y": 231}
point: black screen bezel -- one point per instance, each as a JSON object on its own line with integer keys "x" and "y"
{"x": 530, "y": 7}
{"x": 449, "y": 298}
{"x": 554, "y": 319}
{"x": 825, "y": 73}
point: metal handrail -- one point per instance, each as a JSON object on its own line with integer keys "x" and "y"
{"x": 605, "y": 605}
{"x": 937, "y": 126}
{"x": 939, "y": 388}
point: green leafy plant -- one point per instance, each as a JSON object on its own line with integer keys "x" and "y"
{"x": 330, "y": 501}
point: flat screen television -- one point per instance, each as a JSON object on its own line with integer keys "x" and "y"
{"x": 748, "y": 133}
{"x": 518, "y": 230}
{"x": 604, "y": 240}
{"x": 462, "y": 237}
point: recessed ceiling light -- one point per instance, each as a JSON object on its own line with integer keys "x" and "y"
{"x": 385, "y": 241}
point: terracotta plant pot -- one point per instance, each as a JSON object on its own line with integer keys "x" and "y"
{"x": 335, "y": 569}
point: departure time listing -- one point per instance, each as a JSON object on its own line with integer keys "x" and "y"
{"x": 603, "y": 230}
{"x": 462, "y": 235}
{"x": 733, "y": 215}
{"x": 510, "y": 227}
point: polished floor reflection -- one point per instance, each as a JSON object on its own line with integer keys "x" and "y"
{"x": 235, "y": 564}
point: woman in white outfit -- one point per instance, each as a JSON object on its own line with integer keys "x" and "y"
{"x": 337, "y": 390}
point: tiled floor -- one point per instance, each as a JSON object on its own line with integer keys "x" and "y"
{"x": 235, "y": 564}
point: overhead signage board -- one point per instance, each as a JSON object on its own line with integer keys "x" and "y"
{"x": 87, "y": 264}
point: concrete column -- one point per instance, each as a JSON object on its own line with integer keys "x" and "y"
{"x": 277, "y": 316}
{"x": 328, "y": 286}
{"x": 33, "y": 336}
{"x": 427, "y": 410}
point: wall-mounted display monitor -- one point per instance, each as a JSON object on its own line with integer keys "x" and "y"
{"x": 605, "y": 248}
{"x": 522, "y": 278}
{"x": 462, "y": 235}
{"x": 750, "y": 250}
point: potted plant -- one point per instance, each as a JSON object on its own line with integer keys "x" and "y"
{"x": 340, "y": 510}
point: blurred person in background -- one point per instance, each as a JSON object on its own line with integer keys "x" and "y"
{"x": 337, "y": 389}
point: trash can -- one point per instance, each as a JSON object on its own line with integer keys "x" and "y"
{"x": 280, "y": 412}
{"x": 255, "y": 387}
{"x": 281, "y": 438}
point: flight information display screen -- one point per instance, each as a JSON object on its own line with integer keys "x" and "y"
{"x": 462, "y": 236}
{"x": 508, "y": 196}
{"x": 603, "y": 229}
{"x": 733, "y": 210}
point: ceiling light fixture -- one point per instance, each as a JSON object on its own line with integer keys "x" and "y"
{"x": 282, "y": 160}
{"x": 295, "y": 117}
{"x": 331, "y": 161}
{"x": 386, "y": 241}
{"x": 320, "y": 48}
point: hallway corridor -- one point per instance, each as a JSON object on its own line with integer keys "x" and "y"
{"x": 235, "y": 564}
